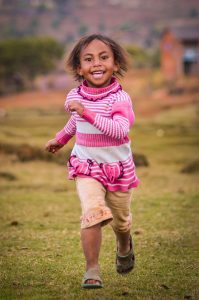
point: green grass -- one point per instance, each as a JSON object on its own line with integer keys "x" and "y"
{"x": 40, "y": 251}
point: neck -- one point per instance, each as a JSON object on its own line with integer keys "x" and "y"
{"x": 97, "y": 93}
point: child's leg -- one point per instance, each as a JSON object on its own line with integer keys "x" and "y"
{"x": 95, "y": 214}
{"x": 123, "y": 242}
{"x": 91, "y": 241}
{"x": 119, "y": 203}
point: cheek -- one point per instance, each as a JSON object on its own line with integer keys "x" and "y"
{"x": 84, "y": 68}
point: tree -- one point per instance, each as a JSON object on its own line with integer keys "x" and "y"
{"x": 28, "y": 57}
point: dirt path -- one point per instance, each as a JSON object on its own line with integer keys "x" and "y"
{"x": 145, "y": 103}
{"x": 34, "y": 99}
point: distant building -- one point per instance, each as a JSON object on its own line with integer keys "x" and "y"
{"x": 180, "y": 51}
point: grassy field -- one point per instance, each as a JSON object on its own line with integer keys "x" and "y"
{"x": 40, "y": 249}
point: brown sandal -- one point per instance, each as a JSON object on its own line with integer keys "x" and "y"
{"x": 125, "y": 264}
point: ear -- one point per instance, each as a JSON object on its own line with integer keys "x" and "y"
{"x": 116, "y": 67}
{"x": 79, "y": 70}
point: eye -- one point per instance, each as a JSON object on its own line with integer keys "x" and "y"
{"x": 88, "y": 59}
{"x": 104, "y": 57}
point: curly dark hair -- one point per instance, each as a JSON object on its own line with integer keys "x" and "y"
{"x": 120, "y": 55}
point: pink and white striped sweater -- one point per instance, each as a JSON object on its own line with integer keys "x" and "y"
{"x": 102, "y": 148}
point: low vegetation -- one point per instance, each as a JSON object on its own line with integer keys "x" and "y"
{"x": 142, "y": 57}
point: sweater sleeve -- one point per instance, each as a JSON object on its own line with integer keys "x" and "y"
{"x": 69, "y": 130}
{"x": 122, "y": 117}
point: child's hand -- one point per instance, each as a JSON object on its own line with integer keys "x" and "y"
{"x": 53, "y": 146}
{"x": 76, "y": 106}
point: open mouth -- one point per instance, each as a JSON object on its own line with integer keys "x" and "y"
{"x": 97, "y": 74}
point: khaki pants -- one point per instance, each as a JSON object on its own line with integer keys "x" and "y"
{"x": 102, "y": 206}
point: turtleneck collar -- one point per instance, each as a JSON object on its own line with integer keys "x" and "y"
{"x": 94, "y": 94}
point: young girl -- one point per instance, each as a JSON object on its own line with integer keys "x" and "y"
{"x": 101, "y": 161}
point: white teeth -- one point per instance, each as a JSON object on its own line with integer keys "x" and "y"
{"x": 97, "y": 74}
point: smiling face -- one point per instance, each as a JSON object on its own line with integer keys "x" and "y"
{"x": 97, "y": 64}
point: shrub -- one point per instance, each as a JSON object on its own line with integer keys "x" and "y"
{"x": 142, "y": 58}
{"x": 27, "y": 57}
{"x": 26, "y": 152}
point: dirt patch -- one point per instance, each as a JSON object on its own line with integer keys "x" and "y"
{"x": 151, "y": 106}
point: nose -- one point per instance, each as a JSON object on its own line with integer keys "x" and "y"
{"x": 96, "y": 62}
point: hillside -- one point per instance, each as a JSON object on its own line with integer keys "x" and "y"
{"x": 137, "y": 21}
